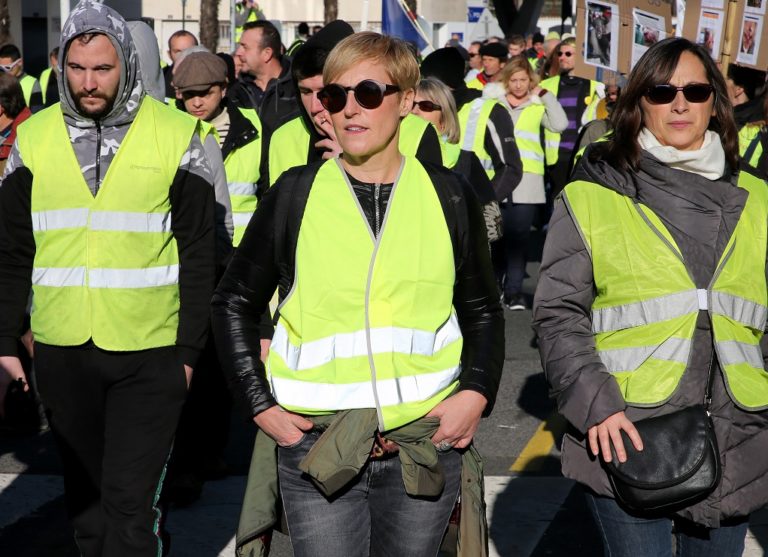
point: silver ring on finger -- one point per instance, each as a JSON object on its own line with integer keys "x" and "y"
{"x": 444, "y": 445}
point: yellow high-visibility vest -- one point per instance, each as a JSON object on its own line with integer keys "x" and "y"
{"x": 644, "y": 314}
{"x": 369, "y": 322}
{"x": 106, "y": 267}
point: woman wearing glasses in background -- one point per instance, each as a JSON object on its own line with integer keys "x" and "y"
{"x": 434, "y": 102}
{"x": 390, "y": 340}
{"x": 657, "y": 247}
{"x": 533, "y": 109}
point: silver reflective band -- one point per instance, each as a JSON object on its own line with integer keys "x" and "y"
{"x": 732, "y": 352}
{"x": 341, "y": 396}
{"x": 134, "y": 278}
{"x": 241, "y": 219}
{"x": 241, "y": 188}
{"x": 472, "y": 121}
{"x": 522, "y": 134}
{"x": 739, "y": 309}
{"x": 530, "y": 155}
{"x": 58, "y": 276}
{"x": 351, "y": 345}
{"x": 629, "y": 359}
{"x": 118, "y": 221}
{"x": 487, "y": 164}
{"x": 123, "y": 221}
{"x": 635, "y": 314}
{"x": 58, "y": 219}
{"x": 552, "y": 144}
{"x": 701, "y": 293}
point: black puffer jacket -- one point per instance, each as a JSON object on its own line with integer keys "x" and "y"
{"x": 264, "y": 261}
{"x": 701, "y": 216}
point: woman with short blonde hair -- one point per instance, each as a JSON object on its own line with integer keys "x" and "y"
{"x": 390, "y": 340}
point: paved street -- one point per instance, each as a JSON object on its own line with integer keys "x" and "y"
{"x": 532, "y": 510}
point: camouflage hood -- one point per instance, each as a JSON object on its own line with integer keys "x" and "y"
{"x": 92, "y": 17}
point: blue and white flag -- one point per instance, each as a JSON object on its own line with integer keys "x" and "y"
{"x": 397, "y": 21}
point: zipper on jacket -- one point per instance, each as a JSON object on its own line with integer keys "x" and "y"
{"x": 97, "y": 183}
{"x": 377, "y": 208}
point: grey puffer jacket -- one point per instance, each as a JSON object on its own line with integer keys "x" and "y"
{"x": 701, "y": 215}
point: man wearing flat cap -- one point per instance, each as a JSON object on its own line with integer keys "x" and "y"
{"x": 494, "y": 57}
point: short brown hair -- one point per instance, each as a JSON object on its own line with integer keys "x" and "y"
{"x": 391, "y": 52}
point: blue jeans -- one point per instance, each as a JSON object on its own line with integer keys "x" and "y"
{"x": 625, "y": 535}
{"x": 372, "y": 516}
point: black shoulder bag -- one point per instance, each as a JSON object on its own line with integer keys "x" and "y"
{"x": 679, "y": 464}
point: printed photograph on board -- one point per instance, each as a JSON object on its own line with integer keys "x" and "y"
{"x": 601, "y": 43}
{"x": 755, "y": 7}
{"x": 710, "y": 31}
{"x": 749, "y": 43}
{"x": 648, "y": 29}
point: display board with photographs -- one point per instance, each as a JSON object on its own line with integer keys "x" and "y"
{"x": 601, "y": 43}
{"x": 745, "y": 19}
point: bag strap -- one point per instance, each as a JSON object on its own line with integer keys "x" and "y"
{"x": 752, "y": 147}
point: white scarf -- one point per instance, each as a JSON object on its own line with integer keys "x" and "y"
{"x": 707, "y": 161}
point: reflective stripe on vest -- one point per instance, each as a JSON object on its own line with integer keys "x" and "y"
{"x": 106, "y": 267}
{"x": 644, "y": 321}
{"x": 528, "y": 137}
{"x": 369, "y": 323}
{"x": 552, "y": 139}
{"x": 473, "y": 121}
{"x": 27, "y": 83}
{"x": 288, "y": 148}
{"x": 242, "y": 166}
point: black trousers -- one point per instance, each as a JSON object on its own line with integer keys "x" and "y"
{"x": 113, "y": 415}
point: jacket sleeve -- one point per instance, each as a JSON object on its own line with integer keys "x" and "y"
{"x": 585, "y": 391}
{"x": 555, "y": 119}
{"x": 225, "y": 228}
{"x": 17, "y": 251}
{"x": 500, "y": 144}
{"x": 193, "y": 225}
{"x": 241, "y": 298}
{"x": 477, "y": 304}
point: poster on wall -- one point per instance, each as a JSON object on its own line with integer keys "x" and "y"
{"x": 755, "y": 7}
{"x": 648, "y": 29}
{"x": 749, "y": 45}
{"x": 716, "y": 4}
{"x": 601, "y": 43}
{"x": 710, "y": 31}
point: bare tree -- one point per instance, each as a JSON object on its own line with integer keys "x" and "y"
{"x": 209, "y": 24}
{"x": 331, "y": 10}
{"x": 5, "y": 23}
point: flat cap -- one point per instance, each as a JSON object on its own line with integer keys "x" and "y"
{"x": 198, "y": 71}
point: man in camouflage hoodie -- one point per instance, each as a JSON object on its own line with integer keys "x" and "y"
{"x": 107, "y": 215}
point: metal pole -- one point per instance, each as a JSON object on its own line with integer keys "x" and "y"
{"x": 63, "y": 11}
{"x": 183, "y": 14}
{"x": 232, "y": 14}
{"x": 364, "y": 17}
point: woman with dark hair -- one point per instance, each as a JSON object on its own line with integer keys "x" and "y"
{"x": 652, "y": 298}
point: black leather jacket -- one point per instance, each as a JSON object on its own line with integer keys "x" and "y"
{"x": 265, "y": 261}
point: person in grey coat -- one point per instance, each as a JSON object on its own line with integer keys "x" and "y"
{"x": 679, "y": 201}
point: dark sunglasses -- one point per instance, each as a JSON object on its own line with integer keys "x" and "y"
{"x": 566, "y": 53}
{"x": 473, "y": 54}
{"x": 666, "y": 93}
{"x": 368, "y": 94}
{"x": 426, "y": 106}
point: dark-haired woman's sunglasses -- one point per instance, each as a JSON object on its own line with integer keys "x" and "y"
{"x": 666, "y": 93}
{"x": 426, "y": 106}
{"x": 368, "y": 94}
{"x": 566, "y": 53}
